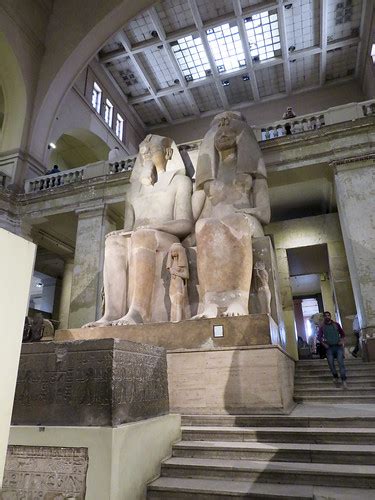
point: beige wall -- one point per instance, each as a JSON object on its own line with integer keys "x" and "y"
{"x": 270, "y": 111}
{"x": 122, "y": 460}
{"x": 76, "y": 32}
{"x": 321, "y": 229}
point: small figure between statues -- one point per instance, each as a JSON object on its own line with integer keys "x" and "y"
{"x": 178, "y": 267}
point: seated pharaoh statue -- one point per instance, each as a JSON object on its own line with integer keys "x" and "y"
{"x": 158, "y": 213}
{"x": 231, "y": 203}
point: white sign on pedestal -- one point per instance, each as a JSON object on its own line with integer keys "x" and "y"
{"x": 17, "y": 263}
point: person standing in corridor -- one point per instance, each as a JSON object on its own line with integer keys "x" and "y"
{"x": 331, "y": 335}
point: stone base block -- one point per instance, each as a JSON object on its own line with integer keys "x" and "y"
{"x": 254, "y": 329}
{"x": 88, "y": 463}
{"x": 243, "y": 380}
{"x": 96, "y": 382}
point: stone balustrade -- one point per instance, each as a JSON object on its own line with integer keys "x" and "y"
{"x": 4, "y": 180}
{"x": 125, "y": 165}
{"x": 313, "y": 121}
{"x": 50, "y": 181}
{"x": 294, "y": 126}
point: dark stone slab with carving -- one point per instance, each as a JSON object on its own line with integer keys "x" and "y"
{"x": 104, "y": 382}
{"x": 46, "y": 472}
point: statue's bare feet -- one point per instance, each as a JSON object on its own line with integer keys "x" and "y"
{"x": 100, "y": 323}
{"x": 210, "y": 311}
{"x": 236, "y": 308}
{"x": 131, "y": 318}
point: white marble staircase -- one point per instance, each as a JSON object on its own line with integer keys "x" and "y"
{"x": 314, "y": 383}
{"x": 320, "y": 451}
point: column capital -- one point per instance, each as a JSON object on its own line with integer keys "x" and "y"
{"x": 86, "y": 212}
{"x": 354, "y": 162}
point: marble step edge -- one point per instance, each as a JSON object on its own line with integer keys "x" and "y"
{"x": 282, "y": 430}
{"x": 337, "y": 391}
{"x": 219, "y": 488}
{"x": 357, "y": 388}
{"x": 280, "y": 421}
{"x": 343, "y": 398}
{"x": 342, "y": 470}
{"x": 250, "y": 489}
{"x": 274, "y": 447}
{"x": 349, "y": 475}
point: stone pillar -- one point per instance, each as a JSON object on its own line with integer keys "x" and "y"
{"x": 327, "y": 294}
{"x": 66, "y": 292}
{"x": 287, "y": 302}
{"x": 93, "y": 225}
{"x": 342, "y": 288}
{"x": 355, "y": 194}
{"x": 300, "y": 322}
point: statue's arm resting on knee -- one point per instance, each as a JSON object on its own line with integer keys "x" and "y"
{"x": 261, "y": 198}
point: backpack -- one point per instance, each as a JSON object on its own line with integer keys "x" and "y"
{"x": 331, "y": 334}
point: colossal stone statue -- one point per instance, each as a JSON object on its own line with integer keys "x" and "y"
{"x": 231, "y": 204}
{"x": 157, "y": 214}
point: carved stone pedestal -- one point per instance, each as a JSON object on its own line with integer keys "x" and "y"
{"x": 254, "y": 329}
{"x": 92, "y": 383}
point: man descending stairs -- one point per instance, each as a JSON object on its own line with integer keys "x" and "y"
{"x": 321, "y": 451}
{"x": 313, "y": 383}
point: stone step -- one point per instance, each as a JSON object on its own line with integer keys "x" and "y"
{"x": 280, "y": 452}
{"x": 365, "y": 368}
{"x": 334, "y": 391}
{"x": 211, "y": 489}
{"x": 352, "y": 383}
{"x": 327, "y": 376}
{"x": 316, "y": 362}
{"x": 342, "y": 475}
{"x": 339, "y": 399}
{"x": 316, "y": 435}
{"x": 276, "y": 421}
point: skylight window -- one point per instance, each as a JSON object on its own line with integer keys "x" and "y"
{"x": 96, "y": 97}
{"x": 263, "y": 34}
{"x": 191, "y": 57}
{"x": 108, "y": 112}
{"x": 226, "y": 47}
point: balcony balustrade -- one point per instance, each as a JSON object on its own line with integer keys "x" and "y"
{"x": 281, "y": 128}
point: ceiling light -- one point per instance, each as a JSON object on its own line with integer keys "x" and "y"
{"x": 225, "y": 83}
{"x": 51, "y": 145}
{"x": 39, "y": 284}
{"x": 288, "y": 6}
{"x": 245, "y": 78}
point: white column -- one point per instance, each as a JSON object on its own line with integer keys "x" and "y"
{"x": 66, "y": 293}
{"x": 93, "y": 225}
{"x": 355, "y": 193}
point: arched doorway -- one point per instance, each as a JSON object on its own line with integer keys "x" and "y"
{"x": 76, "y": 148}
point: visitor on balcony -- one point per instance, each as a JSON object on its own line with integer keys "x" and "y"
{"x": 54, "y": 170}
{"x": 289, "y": 113}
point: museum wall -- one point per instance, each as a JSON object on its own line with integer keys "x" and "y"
{"x": 76, "y": 113}
{"x": 271, "y": 111}
{"x": 22, "y": 28}
{"x": 308, "y": 231}
{"x": 75, "y": 33}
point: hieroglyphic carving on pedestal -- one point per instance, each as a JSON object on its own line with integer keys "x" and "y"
{"x": 45, "y": 472}
{"x": 100, "y": 382}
